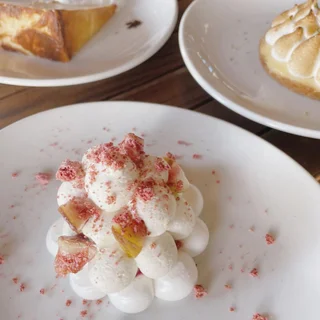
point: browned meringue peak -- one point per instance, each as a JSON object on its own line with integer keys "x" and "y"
{"x": 285, "y": 16}
{"x": 285, "y": 44}
{"x": 303, "y": 12}
{"x": 309, "y": 24}
{"x": 275, "y": 33}
{"x": 296, "y": 13}
{"x": 304, "y": 57}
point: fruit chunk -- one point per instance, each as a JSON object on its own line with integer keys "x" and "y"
{"x": 78, "y": 211}
{"x": 130, "y": 232}
{"x": 73, "y": 254}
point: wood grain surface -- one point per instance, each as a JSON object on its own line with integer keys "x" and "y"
{"x": 153, "y": 81}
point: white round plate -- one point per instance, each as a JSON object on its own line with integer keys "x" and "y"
{"x": 246, "y": 183}
{"x": 219, "y": 42}
{"x": 114, "y": 50}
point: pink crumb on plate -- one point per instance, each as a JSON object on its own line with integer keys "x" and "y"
{"x": 14, "y": 175}
{"x": 184, "y": 143}
{"x": 199, "y": 291}
{"x": 258, "y": 316}
{"x": 68, "y": 303}
{"x": 269, "y": 239}
{"x": 43, "y": 178}
{"x": 254, "y": 272}
{"x": 197, "y": 156}
{"x": 83, "y": 313}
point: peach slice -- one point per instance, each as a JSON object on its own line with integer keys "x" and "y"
{"x": 78, "y": 211}
{"x": 130, "y": 232}
{"x": 73, "y": 254}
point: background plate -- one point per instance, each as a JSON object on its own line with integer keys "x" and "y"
{"x": 114, "y": 50}
{"x": 219, "y": 42}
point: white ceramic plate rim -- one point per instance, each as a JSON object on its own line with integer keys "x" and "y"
{"x": 101, "y": 75}
{"x": 114, "y": 104}
{"x": 282, "y": 126}
{"x": 94, "y": 108}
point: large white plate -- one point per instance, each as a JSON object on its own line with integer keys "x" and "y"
{"x": 219, "y": 41}
{"x": 114, "y": 50}
{"x": 253, "y": 185}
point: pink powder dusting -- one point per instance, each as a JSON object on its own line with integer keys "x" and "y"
{"x": 258, "y": 316}
{"x": 70, "y": 170}
{"x": 269, "y": 239}
{"x": 184, "y": 143}
{"x": 254, "y": 273}
{"x": 43, "y": 178}
{"x": 68, "y": 302}
{"x": 83, "y": 313}
{"x": 197, "y": 156}
{"x": 179, "y": 244}
{"x": 14, "y": 175}
{"x": 199, "y": 291}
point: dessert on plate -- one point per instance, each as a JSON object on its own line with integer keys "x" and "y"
{"x": 289, "y": 51}
{"x": 130, "y": 226}
{"x": 55, "y": 34}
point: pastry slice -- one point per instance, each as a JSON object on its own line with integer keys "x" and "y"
{"x": 52, "y": 34}
{"x": 290, "y": 50}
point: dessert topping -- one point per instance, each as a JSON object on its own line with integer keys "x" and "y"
{"x": 78, "y": 211}
{"x": 69, "y": 171}
{"x": 73, "y": 254}
{"x": 130, "y": 232}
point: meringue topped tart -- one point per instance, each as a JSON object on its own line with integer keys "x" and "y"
{"x": 290, "y": 50}
{"x": 130, "y": 226}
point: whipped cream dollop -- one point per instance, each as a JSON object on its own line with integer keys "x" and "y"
{"x": 136, "y": 297}
{"x": 295, "y": 40}
{"x": 179, "y": 281}
{"x": 130, "y": 221}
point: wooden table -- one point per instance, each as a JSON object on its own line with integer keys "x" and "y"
{"x": 153, "y": 81}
